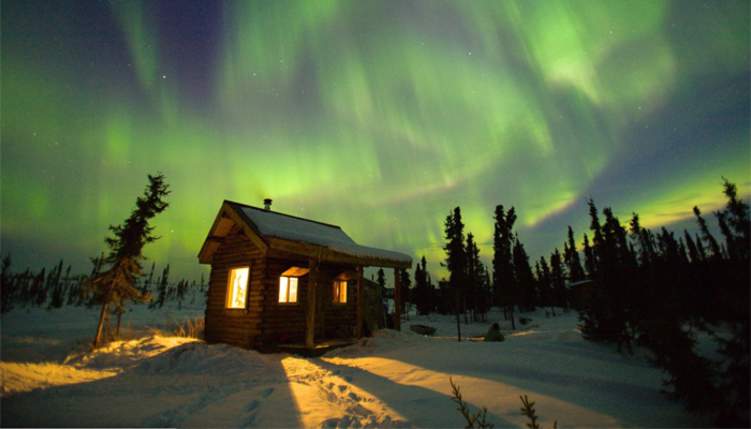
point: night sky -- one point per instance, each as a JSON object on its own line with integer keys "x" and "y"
{"x": 379, "y": 116}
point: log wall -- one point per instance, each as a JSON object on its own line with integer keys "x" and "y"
{"x": 285, "y": 323}
{"x": 240, "y": 327}
{"x": 266, "y": 322}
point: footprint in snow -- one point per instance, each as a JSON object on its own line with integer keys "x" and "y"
{"x": 252, "y": 405}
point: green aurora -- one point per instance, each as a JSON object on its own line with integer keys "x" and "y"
{"x": 376, "y": 116}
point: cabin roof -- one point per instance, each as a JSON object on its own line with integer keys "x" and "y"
{"x": 321, "y": 240}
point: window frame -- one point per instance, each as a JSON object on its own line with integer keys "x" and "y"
{"x": 297, "y": 290}
{"x": 230, "y": 289}
{"x": 336, "y": 296}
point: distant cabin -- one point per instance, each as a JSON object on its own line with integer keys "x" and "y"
{"x": 278, "y": 279}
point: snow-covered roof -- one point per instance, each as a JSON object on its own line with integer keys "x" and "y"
{"x": 269, "y": 223}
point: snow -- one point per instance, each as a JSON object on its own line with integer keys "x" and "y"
{"x": 286, "y": 227}
{"x": 394, "y": 379}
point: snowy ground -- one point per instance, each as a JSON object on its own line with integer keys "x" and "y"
{"x": 394, "y": 379}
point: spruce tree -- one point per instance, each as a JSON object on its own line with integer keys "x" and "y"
{"x": 56, "y": 286}
{"x": 571, "y": 257}
{"x": 693, "y": 251}
{"x": 149, "y": 280}
{"x": 38, "y": 289}
{"x": 525, "y": 283}
{"x": 544, "y": 284}
{"x": 504, "y": 284}
{"x": 456, "y": 261}
{"x": 558, "y": 281}
{"x": 474, "y": 275}
{"x": 739, "y": 223}
{"x": 709, "y": 239}
{"x": 381, "y": 280}
{"x": 8, "y": 289}
{"x": 423, "y": 294}
{"x": 117, "y": 283}
{"x": 590, "y": 263}
{"x": 406, "y": 285}
{"x": 163, "y": 289}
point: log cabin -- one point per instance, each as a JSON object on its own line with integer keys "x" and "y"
{"x": 278, "y": 279}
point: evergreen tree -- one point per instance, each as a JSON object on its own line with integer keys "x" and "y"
{"x": 8, "y": 289}
{"x": 544, "y": 284}
{"x": 406, "y": 284}
{"x": 180, "y": 290}
{"x": 504, "y": 284}
{"x": 163, "y": 289}
{"x": 590, "y": 263}
{"x": 72, "y": 287}
{"x": 381, "y": 279}
{"x": 525, "y": 282}
{"x": 738, "y": 221}
{"x": 571, "y": 257}
{"x": 149, "y": 280}
{"x": 473, "y": 276}
{"x": 714, "y": 247}
{"x": 608, "y": 314}
{"x": 56, "y": 286}
{"x": 645, "y": 239}
{"x": 423, "y": 291}
{"x": 456, "y": 261}
{"x": 700, "y": 248}
{"x": 116, "y": 284}
{"x": 38, "y": 291}
{"x": 693, "y": 251}
{"x": 558, "y": 281}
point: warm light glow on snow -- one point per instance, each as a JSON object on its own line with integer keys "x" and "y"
{"x": 350, "y": 401}
{"x": 237, "y": 287}
{"x": 495, "y": 394}
{"x": 22, "y": 377}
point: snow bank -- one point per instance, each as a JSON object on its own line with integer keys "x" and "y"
{"x": 24, "y": 377}
{"x": 394, "y": 379}
{"x": 124, "y": 354}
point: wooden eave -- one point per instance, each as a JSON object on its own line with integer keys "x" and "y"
{"x": 216, "y": 233}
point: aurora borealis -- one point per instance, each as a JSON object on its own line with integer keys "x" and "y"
{"x": 376, "y": 116}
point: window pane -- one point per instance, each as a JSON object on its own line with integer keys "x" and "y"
{"x": 293, "y": 289}
{"x": 283, "y": 284}
{"x": 237, "y": 287}
{"x": 340, "y": 291}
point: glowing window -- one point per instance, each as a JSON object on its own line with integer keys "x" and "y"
{"x": 340, "y": 291}
{"x": 287, "y": 289}
{"x": 237, "y": 287}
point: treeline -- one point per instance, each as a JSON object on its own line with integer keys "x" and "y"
{"x": 56, "y": 287}
{"x": 661, "y": 291}
{"x": 513, "y": 284}
{"x": 631, "y": 286}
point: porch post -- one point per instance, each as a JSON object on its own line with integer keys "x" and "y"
{"x": 397, "y": 299}
{"x": 360, "y": 303}
{"x": 310, "y": 308}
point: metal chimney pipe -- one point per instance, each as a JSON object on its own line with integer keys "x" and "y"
{"x": 267, "y": 204}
